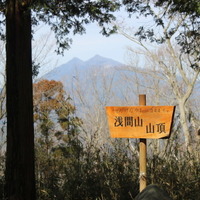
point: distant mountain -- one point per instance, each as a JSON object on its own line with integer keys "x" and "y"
{"x": 87, "y": 82}
{"x": 105, "y": 80}
{"x": 99, "y": 61}
{"x": 74, "y": 66}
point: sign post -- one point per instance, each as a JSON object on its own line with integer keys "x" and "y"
{"x": 143, "y": 152}
{"x": 142, "y": 122}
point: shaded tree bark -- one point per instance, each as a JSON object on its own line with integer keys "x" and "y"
{"x": 19, "y": 175}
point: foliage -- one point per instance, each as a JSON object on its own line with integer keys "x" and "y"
{"x": 188, "y": 25}
{"x": 68, "y": 167}
{"x": 88, "y": 174}
{"x": 53, "y": 112}
{"x": 179, "y": 176}
{"x": 62, "y": 16}
{"x": 92, "y": 173}
{"x": 74, "y": 168}
{"x": 191, "y": 7}
{"x": 65, "y": 17}
{"x": 170, "y": 55}
{"x": 35, "y": 69}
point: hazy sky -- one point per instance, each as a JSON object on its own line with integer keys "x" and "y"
{"x": 92, "y": 43}
{"x": 88, "y": 45}
{"x": 85, "y": 47}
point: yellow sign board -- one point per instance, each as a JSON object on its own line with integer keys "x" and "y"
{"x": 140, "y": 121}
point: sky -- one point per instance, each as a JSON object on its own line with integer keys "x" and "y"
{"x": 92, "y": 43}
{"x": 86, "y": 46}
{"x": 83, "y": 46}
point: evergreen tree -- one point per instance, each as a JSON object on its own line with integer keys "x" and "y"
{"x": 56, "y": 134}
{"x": 62, "y": 16}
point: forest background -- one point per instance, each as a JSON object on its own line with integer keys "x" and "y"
{"x": 76, "y": 159}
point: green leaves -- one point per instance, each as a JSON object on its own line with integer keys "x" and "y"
{"x": 66, "y": 17}
{"x": 70, "y": 16}
{"x": 177, "y": 20}
{"x": 191, "y": 7}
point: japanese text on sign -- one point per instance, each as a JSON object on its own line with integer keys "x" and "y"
{"x": 140, "y": 121}
{"x": 137, "y": 122}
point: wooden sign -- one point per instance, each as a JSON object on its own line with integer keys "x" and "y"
{"x": 140, "y": 121}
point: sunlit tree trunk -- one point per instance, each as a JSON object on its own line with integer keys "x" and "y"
{"x": 20, "y": 178}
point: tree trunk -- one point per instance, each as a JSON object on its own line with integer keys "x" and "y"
{"x": 183, "y": 120}
{"x": 19, "y": 175}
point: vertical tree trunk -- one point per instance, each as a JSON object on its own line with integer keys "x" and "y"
{"x": 185, "y": 127}
{"x": 20, "y": 178}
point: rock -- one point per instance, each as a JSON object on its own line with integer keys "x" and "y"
{"x": 153, "y": 192}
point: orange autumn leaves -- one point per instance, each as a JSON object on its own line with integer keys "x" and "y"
{"x": 51, "y": 99}
{"x": 48, "y": 95}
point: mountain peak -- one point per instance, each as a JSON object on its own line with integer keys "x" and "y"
{"x": 97, "y": 57}
{"x": 75, "y": 61}
{"x": 98, "y": 60}
{"x": 77, "y": 65}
